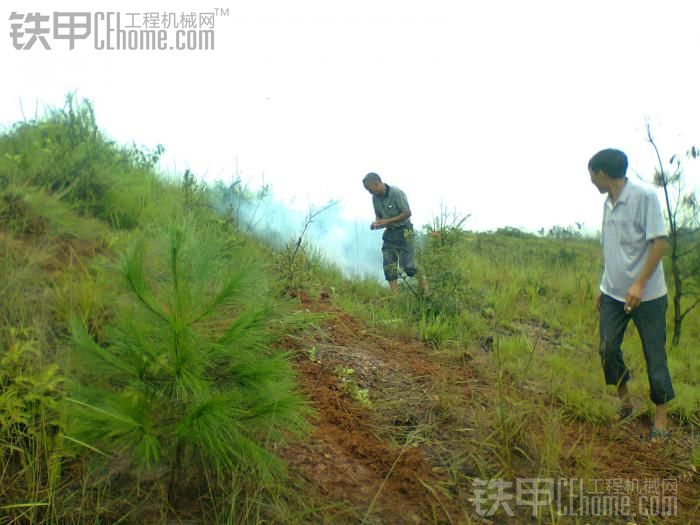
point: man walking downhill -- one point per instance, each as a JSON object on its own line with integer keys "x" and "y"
{"x": 392, "y": 212}
{"x": 634, "y": 239}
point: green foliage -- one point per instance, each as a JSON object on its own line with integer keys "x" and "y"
{"x": 299, "y": 261}
{"x": 565, "y": 232}
{"x": 165, "y": 365}
{"x": 511, "y": 231}
{"x": 303, "y": 268}
{"x": 184, "y": 377}
{"x": 550, "y": 452}
{"x": 507, "y": 423}
{"x": 434, "y": 331}
{"x": 449, "y": 279}
{"x": 348, "y": 383}
{"x": 447, "y": 227}
{"x": 27, "y": 210}
{"x": 66, "y": 154}
{"x": 30, "y": 421}
{"x": 695, "y": 458}
{"x": 235, "y": 199}
{"x": 22, "y": 284}
{"x": 29, "y": 390}
{"x": 685, "y": 371}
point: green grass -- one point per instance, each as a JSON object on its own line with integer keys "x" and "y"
{"x": 528, "y": 291}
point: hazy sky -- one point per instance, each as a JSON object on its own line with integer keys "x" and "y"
{"x": 490, "y": 107}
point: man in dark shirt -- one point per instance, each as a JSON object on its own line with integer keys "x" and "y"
{"x": 392, "y": 212}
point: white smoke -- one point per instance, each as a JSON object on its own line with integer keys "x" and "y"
{"x": 348, "y": 244}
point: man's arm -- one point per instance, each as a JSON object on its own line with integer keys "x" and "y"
{"x": 599, "y": 297}
{"x": 383, "y": 223}
{"x": 404, "y": 208}
{"x": 634, "y": 294}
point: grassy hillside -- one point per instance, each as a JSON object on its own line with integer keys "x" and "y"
{"x": 138, "y": 356}
{"x": 160, "y": 365}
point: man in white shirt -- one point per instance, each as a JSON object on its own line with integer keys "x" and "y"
{"x": 634, "y": 239}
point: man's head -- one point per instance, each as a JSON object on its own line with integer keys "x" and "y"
{"x": 373, "y": 184}
{"x": 606, "y": 166}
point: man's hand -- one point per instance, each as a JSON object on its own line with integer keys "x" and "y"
{"x": 378, "y": 224}
{"x": 635, "y": 292}
{"x": 634, "y": 296}
{"x": 597, "y": 302}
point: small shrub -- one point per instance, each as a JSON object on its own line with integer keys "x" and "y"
{"x": 185, "y": 378}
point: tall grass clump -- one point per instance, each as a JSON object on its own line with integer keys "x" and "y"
{"x": 29, "y": 425}
{"x": 184, "y": 379}
{"x": 434, "y": 331}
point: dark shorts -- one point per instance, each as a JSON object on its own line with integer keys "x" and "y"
{"x": 650, "y": 319}
{"x": 398, "y": 249}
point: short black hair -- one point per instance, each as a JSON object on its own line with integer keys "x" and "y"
{"x": 371, "y": 177}
{"x": 612, "y": 162}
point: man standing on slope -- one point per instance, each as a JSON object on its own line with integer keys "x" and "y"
{"x": 392, "y": 212}
{"x": 634, "y": 239}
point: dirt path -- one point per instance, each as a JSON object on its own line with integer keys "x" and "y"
{"x": 372, "y": 462}
{"x": 347, "y": 459}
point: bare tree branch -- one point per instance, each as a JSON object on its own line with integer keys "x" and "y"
{"x": 688, "y": 252}
{"x": 687, "y": 311}
{"x": 307, "y": 222}
{"x": 664, "y": 178}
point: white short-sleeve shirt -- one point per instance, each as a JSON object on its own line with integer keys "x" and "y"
{"x": 629, "y": 226}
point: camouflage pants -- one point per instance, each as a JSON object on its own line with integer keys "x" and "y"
{"x": 398, "y": 249}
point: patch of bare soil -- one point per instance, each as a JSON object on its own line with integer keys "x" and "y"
{"x": 346, "y": 459}
{"x": 356, "y": 457}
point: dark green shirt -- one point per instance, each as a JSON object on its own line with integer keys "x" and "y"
{"x": 391, "y": 204}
